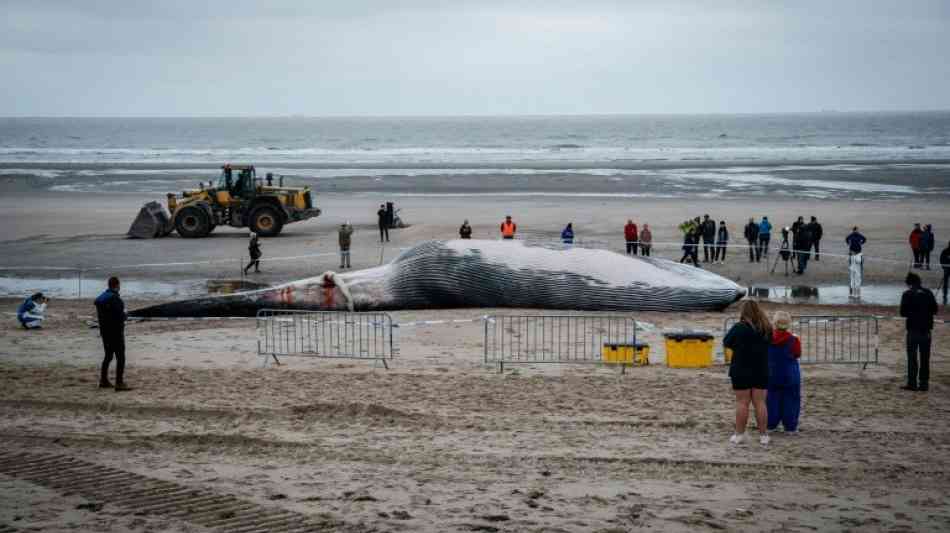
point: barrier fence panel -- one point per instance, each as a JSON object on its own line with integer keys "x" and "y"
{"x": 554, "y": 338}
{"x": 834, "y": 339}
{"x": 325, "y": 334}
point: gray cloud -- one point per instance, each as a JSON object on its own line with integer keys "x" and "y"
{"x": 429, "y": 57}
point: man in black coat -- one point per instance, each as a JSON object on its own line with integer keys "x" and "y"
{"x": 383, "y": 221}
{"x": 918, "y": 306}
{"x": 816, "y": 231}
{"x": 945, "y": 263}
{"x": 708, "y": 230}
{"x": 802, "y": 246}
{"x": 752, "y": 237}
{"x": 111, "y": 312}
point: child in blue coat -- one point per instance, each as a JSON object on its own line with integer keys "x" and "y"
{"x": 784, "y": 399}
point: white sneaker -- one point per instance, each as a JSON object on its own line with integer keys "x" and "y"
{"x": 736, "y": 439}
{"x": 764, "y": 440}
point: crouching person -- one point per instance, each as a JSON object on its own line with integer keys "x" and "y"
{"x": 784, "y": 397}
{"x": 32, "y": 312}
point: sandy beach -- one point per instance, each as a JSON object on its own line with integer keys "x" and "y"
{"x": 442, "y": 442}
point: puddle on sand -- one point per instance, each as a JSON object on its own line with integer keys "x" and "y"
{"x": 830, "y": 294}
{"x": 90, "y": 288}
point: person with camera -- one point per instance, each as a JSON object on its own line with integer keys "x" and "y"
{"x": 32, "y": 312}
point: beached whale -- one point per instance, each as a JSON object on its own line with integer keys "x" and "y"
{"x": 481, "y": 273}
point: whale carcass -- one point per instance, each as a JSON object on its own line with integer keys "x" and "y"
{"x": 474, "y": 273}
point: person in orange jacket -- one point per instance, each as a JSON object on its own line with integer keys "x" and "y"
{"x": 508, "y": 228}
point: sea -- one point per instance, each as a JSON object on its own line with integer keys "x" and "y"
{"x": 813, "y": 155}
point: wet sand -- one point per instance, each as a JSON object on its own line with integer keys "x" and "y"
{"x": 73, "y": 231}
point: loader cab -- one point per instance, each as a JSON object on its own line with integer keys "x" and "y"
{"x": 239, "y": 180}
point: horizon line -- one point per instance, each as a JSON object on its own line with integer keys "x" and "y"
{"x": 497, "y": 115}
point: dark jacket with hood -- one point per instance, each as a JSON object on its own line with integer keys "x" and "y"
{"x": 111, "y": 313}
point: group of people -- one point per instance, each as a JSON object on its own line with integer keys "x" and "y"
{"x": 922, "y": 243}
{"x": 715, "y": 240}
{"x": 639, "y": 241}
{"x": 758, "y": 235}
{"x": 765, "y": 372}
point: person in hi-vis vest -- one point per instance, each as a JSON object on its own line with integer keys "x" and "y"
{"x": 508, "y": 228}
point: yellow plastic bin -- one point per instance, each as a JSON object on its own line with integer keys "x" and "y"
{"x": 631, "y": 354}
{"x": 689, "y": 349}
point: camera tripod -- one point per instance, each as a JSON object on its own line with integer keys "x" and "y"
{"x": 785, "y": 254}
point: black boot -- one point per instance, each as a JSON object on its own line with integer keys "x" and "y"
{"x": 104, "y": 383}
{"x": 121, "y": 386}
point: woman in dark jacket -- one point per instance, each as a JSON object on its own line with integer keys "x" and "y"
{"x": 749, "y": 341}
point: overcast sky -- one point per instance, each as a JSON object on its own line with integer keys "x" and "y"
{"x": 429, "y": 57}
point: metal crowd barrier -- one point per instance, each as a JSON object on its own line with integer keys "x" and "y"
{"x": 325, "y": 334}
{"x": 834, "y": 339}
{"x": 554, "y": 338}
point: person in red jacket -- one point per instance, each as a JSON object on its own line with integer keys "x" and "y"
{"x": 630, "y": 235}
{"x": 915, "y": 244}
{"x": 784, "y": 398}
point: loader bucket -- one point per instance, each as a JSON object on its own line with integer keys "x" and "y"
{"x": 152, "y": 222}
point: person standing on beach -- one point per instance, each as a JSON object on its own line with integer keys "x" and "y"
{"x": 926, "y": 246}
{"x": 254, "y": 250}
{"x": 918, "y": 306}
{"x": 646, "y": 241}
{"x": 722, "y": 240}
{"x": 110, "y": 310}
{"x": 630, "y": 235}
{"x": 567, "y": 234}
{"x": 508, "y": 228}
{"x": 802, "y": 247}
{"x": 383, "y": 221}
{"x": 816, "y": 231}
{"x": 708, "y": 230}
{"x": 855, "y": 241}
{"x": 765, "y": 235}
{"x": 345, "y": 238}
{"x": 465, "y": 232}
{"x": 749, "y": 341}
{"x": 752, "y": 237}
{"x": 914, "y": 240}
{"x": 784, "y": 398}
{"x": 945, "y": 263}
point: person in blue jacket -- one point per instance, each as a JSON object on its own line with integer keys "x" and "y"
{"x": 784, "y": 397}
{"x": 567, "y": 236}
{"x": 855, "y": 241}
{"x": 111, "y": 313}
{"x": 765, "y": 235}
{"x": 31, "y": 312}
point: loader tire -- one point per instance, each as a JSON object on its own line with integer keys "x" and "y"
{"x": 192, "y": 222}
{"x": 266, "y": 221}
